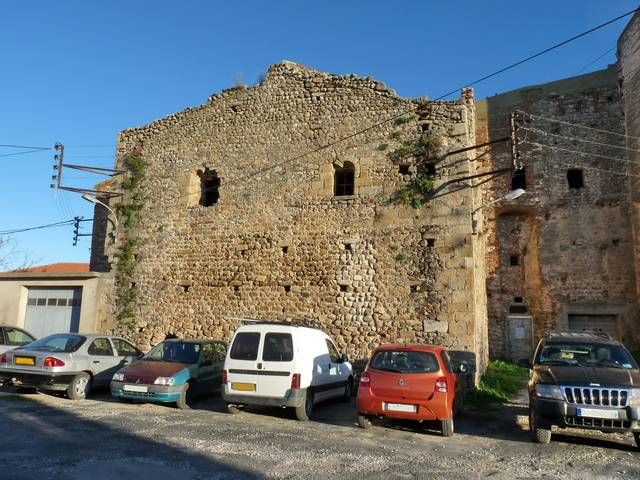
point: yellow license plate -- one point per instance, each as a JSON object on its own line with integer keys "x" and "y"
{"x": 24, "y": 361}
{"x": 244, "y": 387}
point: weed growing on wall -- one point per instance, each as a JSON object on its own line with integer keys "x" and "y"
{"x": 423, "y": 151}
{"x": 129, "y": 212}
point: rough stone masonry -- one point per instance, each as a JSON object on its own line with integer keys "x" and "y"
{"x": 245, "y": 215}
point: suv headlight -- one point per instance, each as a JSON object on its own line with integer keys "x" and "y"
{"x": 165, "y": 381}
{"x": 118, "y": 377}
{"x": 549, "y": 391}
{"x": 634, "y": 398}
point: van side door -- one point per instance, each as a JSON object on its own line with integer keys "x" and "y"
{"x": 278, "y": 361}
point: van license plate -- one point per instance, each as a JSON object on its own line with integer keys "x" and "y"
{"x": 244, "y": 387}
{"x": 597, "y": 413}
{"x": 24, "y": 361}
{"x": 400, "y": 407}
{"x": 135, "y": 388}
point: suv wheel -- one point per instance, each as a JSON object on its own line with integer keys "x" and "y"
{"x": 538, "y": 434}
{"x": 446, "y": 426}
{"x": 303, "y": 412}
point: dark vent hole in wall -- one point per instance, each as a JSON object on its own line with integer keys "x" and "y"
{"x": 575, "y": 178}
{"x": 287, "y": 288}
{"x": 414, "y": 288}
{"x": 518, "y": 309}
{"x": 343, "y": 288}
{"x": 431, "y": 242}
{"x": 519, "y": 179}
{"x": 348, "y": 247}
{"x": 514, "y": 260}
{"x": 403, "y": 169}
{"x": 285, "y": 250}
{"x": 185, "y": 288}
{"x": 518, "y": 299}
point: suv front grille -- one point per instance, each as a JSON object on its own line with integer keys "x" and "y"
{"x": 597, "y": 422}
{"x": 606, "y": 397}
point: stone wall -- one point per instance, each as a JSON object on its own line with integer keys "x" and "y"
{"x": 278, "y": 245}
{"x": 557, "y": 249}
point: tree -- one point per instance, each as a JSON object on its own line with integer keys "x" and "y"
{"x": 11, "y": 258}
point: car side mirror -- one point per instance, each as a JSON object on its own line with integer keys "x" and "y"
{"x": 344, "y": 358}
{"x": 463, "y": 368}
{"x": 525, "y": 363}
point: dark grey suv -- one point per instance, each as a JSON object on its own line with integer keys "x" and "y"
{"x": 583, "y": 380}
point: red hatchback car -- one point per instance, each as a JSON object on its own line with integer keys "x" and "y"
{"x": 411, "y": 382}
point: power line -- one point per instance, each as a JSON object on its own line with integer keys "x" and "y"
{"x": 25, "y": 146}
{"x": 609, "y": 145}
{"x": 564, "y": 122}
{"x": 578, "y": 152}
{"x": 89, "y": 146}
{"x": 594, "y": 61}
{"x": 39, "y": 227}
{"x": 24, "y": 152}
{"x": 542, "y": 52}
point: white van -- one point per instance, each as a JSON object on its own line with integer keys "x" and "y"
{"x": 284, "y": 365}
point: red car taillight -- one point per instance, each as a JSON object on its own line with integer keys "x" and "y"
{"x": 50, "y": 362}
{"x": 295, "y": 381}
{"x": 365, "y": 379}
{"x": 441, "y": 385}
{"x": 3, "y": 359}
{"x": 224, "y": 377}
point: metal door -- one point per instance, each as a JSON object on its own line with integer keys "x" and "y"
{"x": 594, "y": 323}
{"x": 519, "y": 337}
{"x": 53, "y": 310}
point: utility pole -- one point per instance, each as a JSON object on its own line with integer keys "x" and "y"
{"x": 57, "y": 165}
{"x": 76, "y": 229}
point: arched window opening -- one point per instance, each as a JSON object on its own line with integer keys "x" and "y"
{"x": 344, "y": 179}
{"x": 209, "y": 187}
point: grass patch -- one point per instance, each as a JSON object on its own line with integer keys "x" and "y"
{"x": 499, "y": 384}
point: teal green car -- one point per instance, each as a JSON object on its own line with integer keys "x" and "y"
{"x": 174, "y": 371}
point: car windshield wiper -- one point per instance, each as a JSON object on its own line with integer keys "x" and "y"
{"x": 557, "y": 362}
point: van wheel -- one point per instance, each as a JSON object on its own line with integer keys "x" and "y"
{"x": 348, "y": 390}
{"x": 303, "y": 412}
{"x": 233, "y": 409}
{"x": 538, "y": 434}
{"x": 364, "y": 421}
{"x": 186, "y": 398}
{"x": 79, "y": 386}
{"x": 446, "y": 427}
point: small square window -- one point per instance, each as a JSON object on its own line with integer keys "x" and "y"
{"x": 575, "y": 178}
{"x": 31, "y": 301}
{"x": 348, "y": 247}
{"x": 514, "y": 260}
{"x": 285, "y": 250}
{"x": 287, "y": 288}
{"x": 62, "y": 302}
{"x": 518, "y": 299}
{"x": 51, "y": 302}
{"x": 431, "y": 242}
{"x": 42, "y": 302}
{"x": 404, "y": 170}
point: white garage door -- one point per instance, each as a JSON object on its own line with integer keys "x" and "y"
{"x": 53, "y": 310}
{"x": 594, "y": 323}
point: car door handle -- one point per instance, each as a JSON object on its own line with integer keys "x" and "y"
{"x": 96, "y": 361}
{"x": 329, "y": 366}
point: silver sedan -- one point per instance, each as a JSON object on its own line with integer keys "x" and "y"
{"x": 68, "y": 362}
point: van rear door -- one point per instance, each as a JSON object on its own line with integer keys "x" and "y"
{"x": 277, "y": 355}
{"x": 242, "y": 368}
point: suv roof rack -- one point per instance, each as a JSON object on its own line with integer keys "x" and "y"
{"x": 590, "y": 333}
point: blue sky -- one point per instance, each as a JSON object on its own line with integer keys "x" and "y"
{"x": 78, "y": 72}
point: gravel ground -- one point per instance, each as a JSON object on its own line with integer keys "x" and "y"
{"x": 50, "y": 437}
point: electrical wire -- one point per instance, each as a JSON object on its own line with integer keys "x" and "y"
{"x": 26, "y": 146}
{"x": 594, "y": 61}
{"x": 579, "y": 152}
{"x": 564, "y": 122}
{"x": 24, "y": 152}
{"x": 39, "y": 227}
{"x": 542, "y": 52}
{"x": 609, "y": 145}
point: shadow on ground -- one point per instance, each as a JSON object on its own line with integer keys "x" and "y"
{"x": 40, "y": 436}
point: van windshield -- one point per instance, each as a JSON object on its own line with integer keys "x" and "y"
{"x": 278, "y": 347}
{"x": 402, "y": 361}
{"x": 245, "y": 346}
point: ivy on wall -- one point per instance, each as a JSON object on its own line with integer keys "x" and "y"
{"x": 129, "y": 212}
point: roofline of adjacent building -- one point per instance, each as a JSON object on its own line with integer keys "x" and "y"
{"x": 47, "y": 275}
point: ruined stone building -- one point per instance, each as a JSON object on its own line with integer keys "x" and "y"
{"x": 561, "y": 256}
{"x": 280, "y": 201}
{"x": 292, "y": 200}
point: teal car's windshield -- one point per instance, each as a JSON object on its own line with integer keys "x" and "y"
{"x": 586, "y": 354}
{"x": 179, "y": 352}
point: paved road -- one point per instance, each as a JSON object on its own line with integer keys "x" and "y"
{"x": 49, "y": 437}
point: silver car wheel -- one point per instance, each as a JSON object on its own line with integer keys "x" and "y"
{"x": 81, "y": 386}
